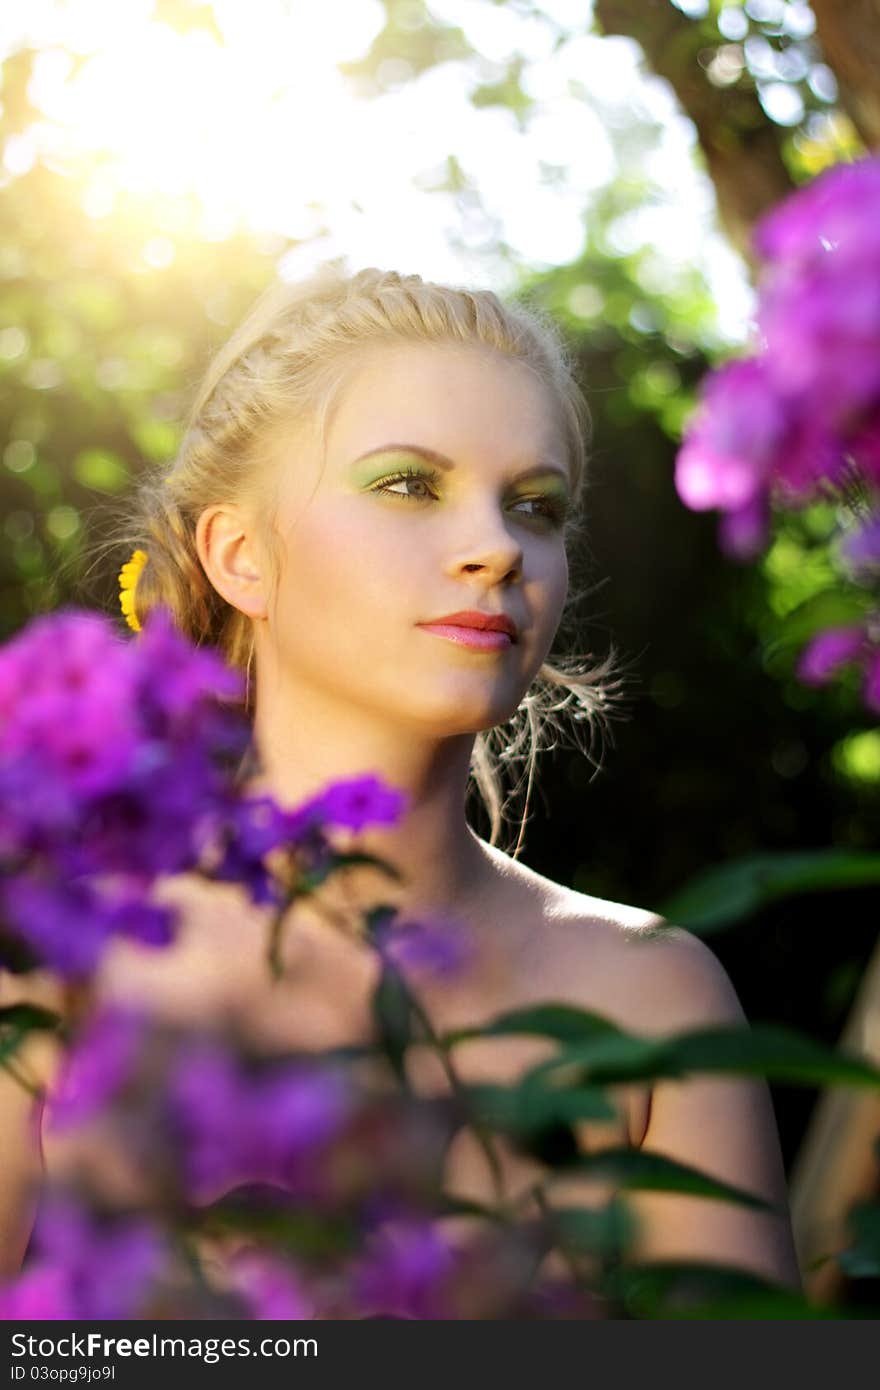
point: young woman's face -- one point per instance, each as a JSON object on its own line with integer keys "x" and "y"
{"x": 369, "y": 555}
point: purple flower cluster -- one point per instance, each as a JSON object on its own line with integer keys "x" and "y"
{"x": 439, "y": 948}
{"x": 223, "y": 1132}
{"x": 100, "y": 1062}
{"x": 272, "y": 1290}
{"x": 405, "y": 1272}
{"x": 830, "y": 651}
{"x": 108, "y": 764}
{"x": 801, "y": 418}
{"x": 785, "y": 423}
{"x": 249, "y": 828}
{"x": 85, "y": 1267}
{"x": 114, "y": 771}
{"x": 239, "y": 1126}
{"x": 351, "y": 804}
{"x": 223, "y": 1118}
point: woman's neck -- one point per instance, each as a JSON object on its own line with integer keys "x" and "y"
{"x": 442, "y": 862}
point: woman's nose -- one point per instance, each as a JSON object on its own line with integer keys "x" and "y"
{"x": 499, "y": 555}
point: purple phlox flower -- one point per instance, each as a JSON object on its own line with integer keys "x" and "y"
{"x": 864, "y": 448}
{"x": 240, "y": 1127}
{"x": 204, "y": 1097}
{"x": 353, "y": 805}
{"x": 68, "y": 923}
{"x": 94, "y": 729}
{"x": 250, "y": 828}
{"x": 63, "y": 702}
{"x": 794, "y": 422}
{"x": 270, "y": 1287}
{"x": 822, "y": 334}
{"x": 100, "y": 1062}
{"x": 177, "y": 678}
{"x": 838, "y": 211}
{"x": 828, "y": 651}
{"x": 106, "y": 1268}
{"x": 84, "y": 741}
{"x": 405, "y": 1272}
{"x": 860, "y": 549}
{"x": 40, "y": 1294}
{"x": 439, "y": 947}
{"x": 809, "y": 458}
{"x": 152, "y": 826}
{"x": 59, "y": 650}
{"x": 743, "y": 532}
{"x": 300, "y": 1108}
{"x": 730, "y": 446}
{"x": 820, "y": 300}
{"x": 35, "y": 810}
{"x": 137, "y": 920}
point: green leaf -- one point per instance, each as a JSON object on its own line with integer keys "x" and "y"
{"x": 555, "y": 1145}
{"x": 831, "y": 607}
{"x": 681, "y": 1288}
{"x": 464, "y": 1206}
{"x": 636, "y": 1170}
{"x": 609, "y": 1057}
{"x": 771, "y": 1050}
{"x": 536, "y": 1119}
{"x": 546, "y": 1105}
{"x": 17, "y": 1020}
{"x": 29, "y": 1016}
{"x": 763, "y": 1049}
{"x": 526, "y": 1108}
{"x": 606, "y": 1230}
{"x": 361, "y": 857}
{"x": 304, "y": 1232}
{"x": 562, "y": 1022}
{"x": 731, "y": 892}
{"x": 393, "y": 1013}
{"x": 378, "y": 916}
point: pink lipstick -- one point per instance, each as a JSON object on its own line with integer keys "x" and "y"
{"x": 481, "y": 639}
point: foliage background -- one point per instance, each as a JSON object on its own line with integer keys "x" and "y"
{"x": 722, "y": 753}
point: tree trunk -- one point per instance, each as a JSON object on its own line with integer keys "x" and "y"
{"x": 741, "y": 145}
{"x": 849, "y": 33}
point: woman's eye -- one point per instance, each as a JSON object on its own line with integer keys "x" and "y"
{"x": 543, "y": 508}
{"x": 408, "y": 478}
{"x": 550, "y": 508}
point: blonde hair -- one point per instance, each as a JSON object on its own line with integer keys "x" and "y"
{"x": 287, "y": 360}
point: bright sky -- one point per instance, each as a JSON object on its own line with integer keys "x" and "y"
{"x": 269, "y": 135}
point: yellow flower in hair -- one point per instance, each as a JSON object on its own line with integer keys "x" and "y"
{"x": 128, "y": 578}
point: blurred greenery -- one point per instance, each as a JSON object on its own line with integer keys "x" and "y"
{"x": 722, "y": 760}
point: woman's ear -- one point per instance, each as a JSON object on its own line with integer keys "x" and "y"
{"x": 227, "y": 548}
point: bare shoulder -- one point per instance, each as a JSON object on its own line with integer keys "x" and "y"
{"x": 663, "y": 978}
{"x": 625, "y": 961}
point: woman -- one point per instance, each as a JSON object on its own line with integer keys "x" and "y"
{"x": 370, "y": 513}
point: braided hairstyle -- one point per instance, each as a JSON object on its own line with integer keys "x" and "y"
{"x": 287, "y": 360}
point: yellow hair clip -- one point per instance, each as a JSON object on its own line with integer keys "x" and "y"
{"x": 128, "y": 578}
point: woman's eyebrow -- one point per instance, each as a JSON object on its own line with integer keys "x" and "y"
{"x": 431, "y": 456}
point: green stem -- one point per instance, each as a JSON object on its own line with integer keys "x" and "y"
{"x": 561, "y": 1244}
{"x": 442, "y": 1048}
{"x": 31, "y": 1087}
{"x": 481, "y": 1132}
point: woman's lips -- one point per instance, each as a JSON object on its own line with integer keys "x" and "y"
{"x": 482, "y": 639}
